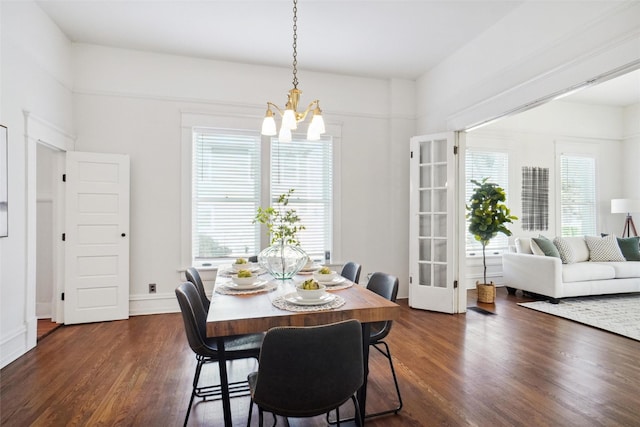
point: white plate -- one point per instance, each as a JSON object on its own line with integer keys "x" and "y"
{"x": 247, "y": 266}
{"x": 335, "y": 281}
{"x": 255, "y": 285}
{"x": 296, "y": 299}
{"x": 311, "y": 269}
{"x": 256, "y": 269}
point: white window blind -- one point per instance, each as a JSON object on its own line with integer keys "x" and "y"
{"x": 226, "y": 190}
{"x": 495, "y": 166}
{"x": 307, "y": 167}
{"x": 578, "y": 195}
{"x": 226, "y": 193}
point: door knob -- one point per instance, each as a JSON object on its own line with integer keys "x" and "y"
{"x": 124, "y": 234}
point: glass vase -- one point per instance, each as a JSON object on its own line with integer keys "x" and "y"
{"x": 282, "y": 261}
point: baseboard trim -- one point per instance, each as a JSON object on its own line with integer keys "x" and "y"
{"x": 142, "y": 304}
{"x": 13, "y": 345}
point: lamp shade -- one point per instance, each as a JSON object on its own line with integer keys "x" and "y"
{"x": 289, "y": 120}
{"x": 269, "y": 126}
{"x": 284, "y": 135}
{"x": 625, "y": 205}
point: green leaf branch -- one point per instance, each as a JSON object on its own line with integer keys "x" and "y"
{"x": 282, "y": 223}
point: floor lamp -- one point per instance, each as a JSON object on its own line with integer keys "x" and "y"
{"x": 626, "y": 206}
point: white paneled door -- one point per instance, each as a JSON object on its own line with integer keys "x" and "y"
{"x": 434, "y": 223}
{"x": 96, "y": 237}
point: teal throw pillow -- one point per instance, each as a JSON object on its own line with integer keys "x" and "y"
{"x": 546, "y": 246}
{"x": 630, "y": 248}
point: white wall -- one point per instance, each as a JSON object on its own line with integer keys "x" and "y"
{"x": 131, "y": 102}
{"x": 631, "y": 149}
{"x": 535, "y": 137}
{"x": 36, "y": 76}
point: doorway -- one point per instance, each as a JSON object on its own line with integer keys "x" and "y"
{"x": 48, "y": 204}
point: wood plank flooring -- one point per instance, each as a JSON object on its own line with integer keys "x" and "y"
{"x": 516, "y": 367}
{"x": 45, "y": 327}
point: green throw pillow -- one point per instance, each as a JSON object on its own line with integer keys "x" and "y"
{"x": 630, "y": 247}
{"x": 546, "y": 246}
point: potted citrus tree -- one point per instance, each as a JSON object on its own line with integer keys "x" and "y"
{"x": 487, "y": 215}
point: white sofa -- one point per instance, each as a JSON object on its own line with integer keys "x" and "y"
{"x": 573, "y": 274}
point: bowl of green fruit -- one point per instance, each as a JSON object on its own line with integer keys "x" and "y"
{"x": 324, "y": 275}
{"x": 310, "y": 289}
{"x": 241, "y": 264}
{"x": 244, "y": 278}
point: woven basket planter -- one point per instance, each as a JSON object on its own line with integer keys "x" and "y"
{"x": 486, "y": 292}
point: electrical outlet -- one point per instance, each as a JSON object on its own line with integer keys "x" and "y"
{"x": 152, "y": 288}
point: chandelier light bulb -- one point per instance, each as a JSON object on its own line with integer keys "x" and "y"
{"x": 317, "y": 122}
{"x": 289, "y": 120}
{"x": 284, "y": 135}
{"x": 269, "y": 125}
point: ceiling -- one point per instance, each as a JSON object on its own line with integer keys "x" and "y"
{"x": 371, "y": 38}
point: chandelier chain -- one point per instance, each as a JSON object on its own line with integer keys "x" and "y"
{"x": 295, "y": 44}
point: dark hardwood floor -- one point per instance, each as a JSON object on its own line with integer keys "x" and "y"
{"x": 45, "y": 327}
{"x": 514, "y": 367}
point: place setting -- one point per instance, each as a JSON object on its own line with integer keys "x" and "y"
{"x": 249, "y": 284}
{"x": 310, "y": 267}
{"x": 331, "y": 279}
{"x": 241, "y": 264}
{"x": 309, "y": 295}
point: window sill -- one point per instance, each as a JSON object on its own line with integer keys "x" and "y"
{"x": 491, "y": 254}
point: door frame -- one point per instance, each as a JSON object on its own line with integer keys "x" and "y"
{"x": 39, "y": 131}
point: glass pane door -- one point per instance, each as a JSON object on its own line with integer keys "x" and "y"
{"x": 432, "y": 222}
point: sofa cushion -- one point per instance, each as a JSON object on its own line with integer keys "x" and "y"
{"x": 565, "y": 250}
{"x": 630, "y": 248}
{"x": 625, "y": 270}
{"x": 603, "y": 249}
{"x": 523, "y": 245}
{"x": 579, "y": 248}
{"x": 544, "y": 247}
{"x": 585, "y": 271}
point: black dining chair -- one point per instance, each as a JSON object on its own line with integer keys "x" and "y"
{"x": 206, "y": 349}
{"x": 351, "y": 271}
{"x": 193, "y": 276}
{"x": 386, "y": 286}
{"x": 308, "y": 371}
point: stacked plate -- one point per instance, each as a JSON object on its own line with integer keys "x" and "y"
{"x": 294, "y": 298}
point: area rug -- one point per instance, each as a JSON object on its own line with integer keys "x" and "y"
{"x": 619, "y": 314}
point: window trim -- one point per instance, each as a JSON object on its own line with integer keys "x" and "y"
{"x": 190, "y": 120}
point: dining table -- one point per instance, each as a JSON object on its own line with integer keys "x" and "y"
{"x": 238, "y": 312}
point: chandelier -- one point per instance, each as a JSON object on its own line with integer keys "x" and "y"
{"x": 290, "y": 115}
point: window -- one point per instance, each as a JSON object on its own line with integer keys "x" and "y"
{"x": 577, "y": 195}
{"x": 495, "y": 166}
{"x": 306, "y": 166}
{"x": 226, "y": 186}
{"x": 226, "y": 193}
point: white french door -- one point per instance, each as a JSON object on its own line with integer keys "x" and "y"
{"x": 435, "y": 209}
{"x": 96, "y": 237}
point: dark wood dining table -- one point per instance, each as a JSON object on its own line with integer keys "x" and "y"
{"x": 252, "y": 313}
